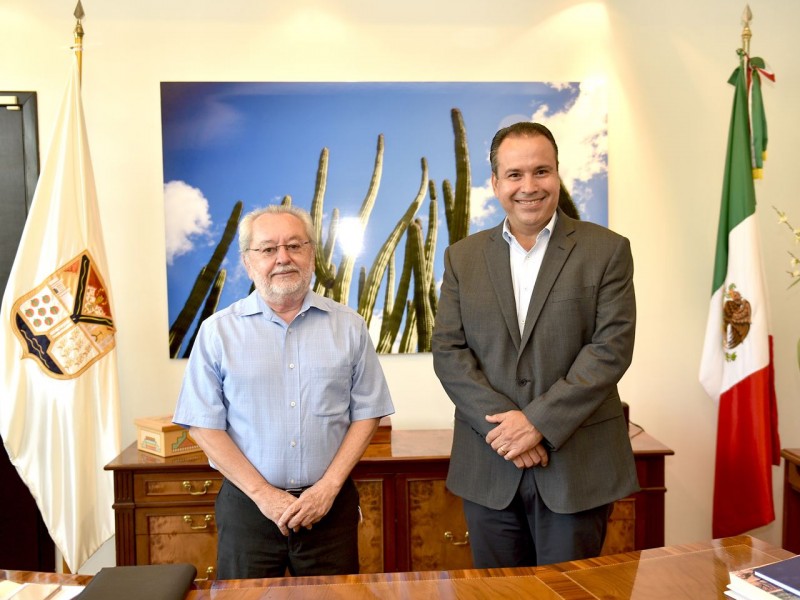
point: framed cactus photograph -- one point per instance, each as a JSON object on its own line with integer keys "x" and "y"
{"x": 392, "y": 173}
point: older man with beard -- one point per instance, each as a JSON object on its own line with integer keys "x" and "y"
{"x": 283, "y": 391}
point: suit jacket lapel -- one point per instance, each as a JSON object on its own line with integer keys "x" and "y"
{"x": 498, "y": 264}
{"x": 558, "y": 250}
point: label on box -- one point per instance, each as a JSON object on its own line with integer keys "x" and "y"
{"x": 156, "y": 442}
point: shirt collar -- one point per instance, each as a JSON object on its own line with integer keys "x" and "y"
{"x": 509, "y": 237}
{"x": 255, "y": 304}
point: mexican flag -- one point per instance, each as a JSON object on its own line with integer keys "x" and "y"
{"x": 737, "y": 367}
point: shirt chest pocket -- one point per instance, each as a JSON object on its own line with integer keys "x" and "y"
{"x": 329, "y": 390}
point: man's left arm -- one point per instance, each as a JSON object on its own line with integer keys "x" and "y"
{"x": 316, "y": 501}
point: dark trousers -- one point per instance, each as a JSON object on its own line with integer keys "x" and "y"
{"x": 251, "y": 546}
{"x": 527, "y": 533}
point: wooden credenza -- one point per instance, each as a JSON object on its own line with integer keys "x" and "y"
{"x": 164, "y": 507}
{"x": 791, "y": 499}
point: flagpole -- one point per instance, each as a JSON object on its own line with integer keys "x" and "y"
{"x": 747, "y": 16}
{"x": 78, "y": 37}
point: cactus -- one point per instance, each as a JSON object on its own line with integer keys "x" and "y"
{"x": 460, "y": 226}
{"x": 345, "y": 273}
{"x": 388, "y": 296}
{"x": 209, "y": 308}
{"x": 327, "y": 255}
{"x": 324, "y": 273}
{"x": 330, "y": 243}
{"x": 366, "y": 299}
{"x": 204, "y": 281}
{"x": 362, "y": 279}
{"x": 434, "y": 299}
{"x": 566, "y": 204}
{"x": 449, "y": 209}
{"x": 430, "y": 246}
{"x": 409, "y": 337}
{"x": 391, "y": 323}
{"x": 422, "y": 304}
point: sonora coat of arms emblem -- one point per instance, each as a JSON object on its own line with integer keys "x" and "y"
{"x": 65, "y": 323}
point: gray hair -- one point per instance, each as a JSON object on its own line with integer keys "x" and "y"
{"x": 246, "y": 224}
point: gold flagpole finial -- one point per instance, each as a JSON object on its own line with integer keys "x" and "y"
{"x": 78, "y": 36}
{"x": 747, "y": 16}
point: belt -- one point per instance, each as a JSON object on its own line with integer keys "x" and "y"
{"x": 297, "y": 491}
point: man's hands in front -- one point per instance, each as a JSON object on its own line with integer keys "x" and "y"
{"x": 516, "y": 439}
{"x": 290, "y": 513}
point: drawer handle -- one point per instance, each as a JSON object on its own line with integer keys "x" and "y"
{"x": 189, "y": 520}
{"x": 209, "y": 575}
{"x": 448, "y": 535}
{"x": 187, "y": 485}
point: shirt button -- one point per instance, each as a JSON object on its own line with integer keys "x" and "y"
{"x": 292, "y": 404}
{"x": 293, "y": 444}
{"x": 291, "y": 481}
{"x": 291, "y": 365}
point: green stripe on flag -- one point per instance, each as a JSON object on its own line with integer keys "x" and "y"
{"x": 738, "y": 192}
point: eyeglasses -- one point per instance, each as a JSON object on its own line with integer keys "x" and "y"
{"x": 270, "y": 251}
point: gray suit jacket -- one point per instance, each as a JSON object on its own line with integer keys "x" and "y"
{"x": 562, "y": 372}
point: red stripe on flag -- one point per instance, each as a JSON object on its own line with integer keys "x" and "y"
{"x": 747, "y": 447}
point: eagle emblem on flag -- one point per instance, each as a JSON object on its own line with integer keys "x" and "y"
{"x": 736, "y": 317}
{"x": 65, "y": 323}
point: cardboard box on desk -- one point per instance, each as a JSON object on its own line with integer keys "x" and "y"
{"x": 160, "y": 436}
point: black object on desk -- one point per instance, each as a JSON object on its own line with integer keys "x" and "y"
{"x": 154, "y": 582}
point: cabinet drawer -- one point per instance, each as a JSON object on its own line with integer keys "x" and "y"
{"x": 199, "y": 550}
{"x": 370, "y": 529}
{"x": 178, "y": 534}
{"x": 438, "y": 537}
{"x": 621, "y": 532}
{"x": 183, "y": 520}
{"x": 200, "y": 487}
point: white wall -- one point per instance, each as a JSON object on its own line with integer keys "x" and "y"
{"x": 666, "y": 65}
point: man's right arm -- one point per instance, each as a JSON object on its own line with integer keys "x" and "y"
{"x": 229, "y": 460}
{"x": 454, "y": 362}
{"x": 464, "y": 381}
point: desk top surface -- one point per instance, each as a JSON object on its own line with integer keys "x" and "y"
{"x": 689, "y": 571}
{"x": 406, "y": 444}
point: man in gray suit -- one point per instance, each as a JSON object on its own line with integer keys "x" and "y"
{"x": 534, "y": 329}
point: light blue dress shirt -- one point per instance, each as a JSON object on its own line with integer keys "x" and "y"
{"x": 286, "y": 394}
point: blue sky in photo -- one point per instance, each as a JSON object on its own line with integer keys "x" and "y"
{"x": 257, "y": 142}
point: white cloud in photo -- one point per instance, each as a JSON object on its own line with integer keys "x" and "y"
{"x": 186, "y": 217}
{"x": 483, "y": 205}
{"x": 581, "y": 131}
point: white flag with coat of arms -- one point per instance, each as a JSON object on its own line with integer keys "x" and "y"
{"x": 59, "y": 410}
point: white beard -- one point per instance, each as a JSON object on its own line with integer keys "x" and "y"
{"x": 281, "y": 291}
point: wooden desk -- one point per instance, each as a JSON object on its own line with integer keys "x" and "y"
{"x": 164, "y": 507}
{"x": 686, "y": 572}
{"x": 791, "y": 499}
